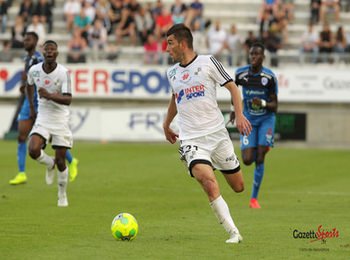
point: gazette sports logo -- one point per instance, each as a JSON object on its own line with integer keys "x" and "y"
{"x": 320, "y": 235}
{"x": 189, "y": 93}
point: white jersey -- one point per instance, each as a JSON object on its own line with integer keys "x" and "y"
{"x": 50, "y": 113}
{"x": 194, "y": 87}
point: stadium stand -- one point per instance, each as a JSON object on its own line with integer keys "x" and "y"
{"x": 243, "y": 13}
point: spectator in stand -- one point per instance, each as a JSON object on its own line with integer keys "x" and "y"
{"x": 115, "y": 14}
{"x": 38, "y": 27}
{"x": 71, "y": 8}
{"x": 77, "y": 47}
{"x": 18, "y": 30}
{"x": 3, "y": 15}
{"x": 248, "y": 42}
{"x": 163, "y": 23}
{"x": 340, "y": 43}
{"x": 144, "y": 24}
{"x": 288, "y": 7}
{"x": 97, "y": 38}
{"x": 266, "y": 20}
{"x": 126, "y": 27}
{"x": 326, "y": 43}
{"x": 151, "y": 50}
{"x": 5, "y": 53}
{"x": 43, "y": 9}
{"x": 178, "y": 11}
{"x": 132, "y": 5}
{"x": 195, "y": 12}
{"x": 157, "y": 10}
{"x": 273, "y": 43}
{"x": 315, "y": 9}
{"x": 268, "y": 6}
{"x": 309, "y": 45}
{"x": 328, "y": 7}
{"x": 234, "y": 46}
{"x": 82, "y": 21}
{"x": 103, "y": 9}
{"x": 217, "y": 40}
{"x": 26, "y": 10}
{"x": 200, "y": 43}
{"x": 90, "y": 10}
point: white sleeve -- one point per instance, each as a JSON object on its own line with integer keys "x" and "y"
{"x": 30, "y": 79}
{"x": 66, "y": 82}
{"x": 218, "y": 72}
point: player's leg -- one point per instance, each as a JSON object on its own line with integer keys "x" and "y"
{"x": 248, "y": 146}
{"x": 24, "y": 127}
{"x": 204, "y": 174}
{"x": 61, "y": 143}
{"x": 37, "y": 143}
{"x": 72, "y": 165}
{"x": 62, "y": 175}
{"x": 219, "y": 146}
{"x": 265, "y": 140}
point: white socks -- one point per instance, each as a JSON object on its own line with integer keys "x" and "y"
{"x": 45, "y": 159}
{"x": 222, "y": 212}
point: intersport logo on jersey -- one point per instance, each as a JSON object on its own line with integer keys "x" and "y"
{"x": 189, "y": 93}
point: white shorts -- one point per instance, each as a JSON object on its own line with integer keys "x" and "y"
{"x": 215, "y": 149}
{"x": 62, "y": 138}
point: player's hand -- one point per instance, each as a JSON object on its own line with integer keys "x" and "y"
{"x": 256, "y": 101}
{"x": 232, "y": 117}
{"x": 32, "y": 115}
{"x": 170, "y": 135}
{"x": 43, "y": 93}
{"x": 243, "y": 125}
{"x": 22, "y": 89}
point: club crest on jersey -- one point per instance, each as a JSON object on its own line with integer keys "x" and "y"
{"x": 264, "y": 81}
{"x": 185, "y": 76}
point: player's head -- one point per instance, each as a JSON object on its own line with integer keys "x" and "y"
{"x": 50, "y": 51}
{"x": 257, "y": 54}
{"x": 179, "y": 39}
{"x": 30, "y": 41}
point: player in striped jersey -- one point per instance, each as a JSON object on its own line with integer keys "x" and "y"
{"x": 204, "y": 141}
{"x": 259, "y": 87}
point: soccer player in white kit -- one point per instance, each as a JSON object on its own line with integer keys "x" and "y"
{"x": 51, "y": 124}
{"x": 205, "y": 144}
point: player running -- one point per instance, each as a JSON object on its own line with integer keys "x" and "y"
{"x": 52, "y": 121}
{"x": 204, "y": 140}
{"x": 259, "y": 87}
{"x": 25, "y": 123}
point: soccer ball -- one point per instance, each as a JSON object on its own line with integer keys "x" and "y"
{"x": 124, "y": 227}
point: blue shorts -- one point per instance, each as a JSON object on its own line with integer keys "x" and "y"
{"x": 24, "y": 114}
{"x": 262, "y": 134}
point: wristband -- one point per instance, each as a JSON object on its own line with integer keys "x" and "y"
{"x": 263, "y": 103}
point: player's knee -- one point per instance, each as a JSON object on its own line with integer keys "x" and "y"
{"x": 34, "y": 152}
{"x": 21, "y": 138}
{"x": 239, "y": 187}
{"x": 247, "y": 160}
{"x": 61, "y": 164}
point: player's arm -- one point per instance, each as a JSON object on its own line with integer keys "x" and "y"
{"x": 242, "y": 123}
{"x": 29, "y": 91}
{"x": 170, "y": 135}
{"x": 60, "y": 98}
{"x": 64, "y": 97}
{"x": 269, "y": 105}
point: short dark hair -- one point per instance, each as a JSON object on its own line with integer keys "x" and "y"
{"x": 34, "y": 34}
{"x": 50, "y": 42}
{"x": 181, "y": 32}
{"x": 258, "y": 45}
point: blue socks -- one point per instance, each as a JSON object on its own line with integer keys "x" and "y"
{"x": 69, "y": 156}
{"x": 258, "y": 176}
{"x": 21, "y": 156}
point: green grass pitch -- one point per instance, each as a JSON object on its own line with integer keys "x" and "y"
{"x": 302, "y": 189}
